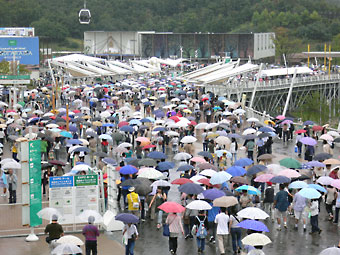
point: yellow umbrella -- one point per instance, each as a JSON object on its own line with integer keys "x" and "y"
{"x": 269, "y": 122}
{"x": 187, "y": 111}
{"x": 97, "y": 123}
{"x": 213, "y": 135}
{"x": 256, "y": 239}
{"x": 153, "y": 98}
{"x": 86, "y": 117}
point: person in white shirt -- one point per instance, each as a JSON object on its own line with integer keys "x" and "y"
{"x": 131, "y": 235}
{"x": 222, "y": 220}
{"x": 314, "y": 212}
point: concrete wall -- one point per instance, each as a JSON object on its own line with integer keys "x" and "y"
{"x": 263, "y": 45}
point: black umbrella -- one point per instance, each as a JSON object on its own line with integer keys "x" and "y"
{"x": 205, "y": 154}
{"x": 263, "y": 135}
{"x": 322, "y": 156}
{"x": 147, "y": 162}
{"x": 101, "y": 154}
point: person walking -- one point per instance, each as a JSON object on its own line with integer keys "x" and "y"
{"x": 281, "y": 204}
{"x": 222, "y": 220}
{"x": 233, "y": 150}
{"x": 130, "y": 234}
{"x": 175, "y": 227}
{"x": 12, "y": 180}
{"x": 331, "y": 198}
{"x": 299, "y": 204}
{"x": 91, "y": 233}
{"x": 250, "y": 146}
{"x": 314, "y": 212}
{"x": 235, "y": 231}
{"x": 201, "y": 221}
{"x": 337, "y": 207}
{"x": 133, "y": 202}
{"x": 269, "y": 200}
{"x": 212, "y": 213}
{"x": 159, "y": 198}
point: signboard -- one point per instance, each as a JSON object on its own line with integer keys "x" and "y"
{"x": 15, "y": 77}
{"x": 23, "y": 49}
{"x": 16, "y": 31}
{"x": 71, "y": 195}
{"x": 34, "y": 164}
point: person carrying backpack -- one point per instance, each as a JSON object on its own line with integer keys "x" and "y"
{"x": 201, "y": 223}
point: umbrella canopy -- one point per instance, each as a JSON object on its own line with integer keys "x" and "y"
{"x": 188, "y": 139}
{"x": 182, "y": 156}
{"x": 318, "y": 187}
{"x": 185, "y": 167}
{"x": 166, "y": 165}
{"x": 225, "y": 201}
{"x": 242, "y": 162}
{"x": 264, "y": 177}
{"x": 308, "y": 141}
{"x": 290, "y": 163}
{"x": 223, "y": 140}
{"x": 310, "y": 193}
{"x": 315, "y": 164}
{"x": 84, "y": 216}
{"x": 256, "y": 239}
{"x": 256, "y": 169}
{"x": 251, "y": 190}
{"x": 204, "y": 166}
{"x": 66, "y": 248}
{"x": 253, "y": 213}
{"x": 190, "y": 188}
{"x": 199, "y": 205}
{"x": 157, "y": 155}
{"x": 266, "y": 157}
{"x": 151, "y": 174}
{"x": 322, "y": 156}
{"x": 147, "y": 162}
{"x": 280, "y": 179}
{"x": 128, "y": 169}
{"x": 236, "y": 171}
{"x": 171, "y": 207}
{"x": 220, "y": 177}
{"x": 208, "y": 172}
{"x": 330, "y": 251}
{"x": 11, "y": 165}
{"x": 57, "y": 162}
{"x": 70, "y": 239}
{"x": 289, "y": 173}
{"x": 253, "y": 225}
{"x": 212, "y": 194}
{"x": 161, "y": 183}
{"x": 331, "y": 161}
{"x": 48, "y": 212}
{"x": 336, "y": 183}
{"x": 127, "y": 218}
{"x": 298, "y": 185}
{"x": 181, "y": 181}
{"x": 325, "y": 180}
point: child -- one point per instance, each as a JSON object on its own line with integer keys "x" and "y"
{"x": 314, "y": 212}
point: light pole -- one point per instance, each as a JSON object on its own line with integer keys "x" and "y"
{"x": 181, "y": 50}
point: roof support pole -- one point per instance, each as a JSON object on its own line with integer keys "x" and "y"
{"x": 289, "y": 94}
{"x": 255, "y": 86}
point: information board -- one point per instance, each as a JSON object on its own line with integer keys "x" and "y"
{"x": 71, "y": 195}
{"x": 34, "y": 150}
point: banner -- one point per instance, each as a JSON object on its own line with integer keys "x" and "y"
{"x": 34, "y": 163}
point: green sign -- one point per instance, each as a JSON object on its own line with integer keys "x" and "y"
{"x": 15, "y": 77}
{"x": 34, "y": 163}
{"x": 12, "y": 42}
{"x": 86, "y": 180}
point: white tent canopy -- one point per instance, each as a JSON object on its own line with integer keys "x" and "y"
{"x": 286, "y": 71}
{"x": 76, "y": 58}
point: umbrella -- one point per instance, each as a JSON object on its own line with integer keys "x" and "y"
{"x": 156, "y": 155}
{"x": 66, "y": 134}
{"x": 66, "y": 248}
{"x": 198, "y": 160}
{"x": 182, "y": 156}
{"x": 308, "y": 141}
{"x": 161, "y": 183}
{"x": 11, "y": 165}
{"x": 327, "y": 137}
{"x": 309, "y": 193}
{"x": 212, "y": 194}
{"x": 318, "y": 187}
{"x": 171, "y": 207}
{"x": 290, "y": 163}
{"x": 127, "y": 218}
{"x": 185, "y": 167}
{"x": 166, "y": 165}
{"x": 70, "y": 239}
{"x": 204, "y": 166}
{"x": 289, "y": 173}
{"x": 322, "y": 156}
{"x": 331, "y": 161}
{"x": 48, "y": 212}
{"x": 275, "y": 168}
{"x": 57, "y": 162}
{"x": 256, "y": 169}
{"x": 131, "y": 182}
{"x": 280, "y": 179}
{"x": 181, "y": 181}
{"x": 147, "y": 162}
{"x": 127, "y": 128}
{"x": 253, "y": 213}
{"x": 256, "y": 239}
{"x": 208, "y": 172}
{"x": 109, "y": 161}
{"x": 205, "y": 154}
{"x": 84, "y": 216}
{"x": 308, "y": 122}
{"x": 151, "y": 174}
{"x": 144, "y": 187}
{"x": 336, "y": 184}
{"x": 253, "y": 225}
{"x": 223, "y": 140}
{"x": 251, "y": 190}
{"x": 264, "y": 178}
{"x": 266, "y": 157}
{"x": 188, "y": 139}
{"x": 220, "y": 177}
{"x": 190, "y": 188}
{"x": 239, "y": 179}
{"x": 225, "y": 201}
{"x": 315, "y": 164}
{"x": 298, "y": 185}
{"x": 101, "y": 154}
{"x": 330, "y": 251}
{"x": 128, "y": 169}
{"x": 199, "y": 205}
{"x": 105, "y": 137}
{"x": 236, "y": 171}
{"x": 325, "y": 180}
{"x": 243, "y": 162}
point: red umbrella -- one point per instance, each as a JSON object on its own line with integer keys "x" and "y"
{"x": 300, "y": 131}
{"x": 205, "y": 98}
{"x": 149, "y": 146}
{"x": 317, "y": 128}
{"x": 174, "y": 118}
{"x": 181, "y": 181}
{"x": 57, "y": 162}
{"x": 205, "y": 181}
{"x": 123, "y": 123}
{"x": 193, "y": 123}
{"x": 76, "y": 111}
{"x": 64, "y": 117}
{"x": 171, "y": 207}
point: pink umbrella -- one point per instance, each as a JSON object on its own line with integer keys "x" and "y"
{"x": 289, "y": 173}
{"x": 198, "y": 160}
{"x": 280, "y": 117}
{"x": 264, "y": 177}
{"x": 336, "y": 184}
{"x": 287, "y": 122}
{"x": 308, "y": 141}
{"x": 171, "y": 207}
{"x": 327, "y": 137}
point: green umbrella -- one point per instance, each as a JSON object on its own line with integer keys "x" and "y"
{"x": 290, "y": 163}
{"x": 117, "y": 136}
{"x": 22, "y": 104}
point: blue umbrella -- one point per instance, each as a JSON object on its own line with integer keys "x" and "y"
{"x": 108, "y": 125}
{"x": 251, "y": 190}
{"x": 135, "y": 122}
{"x": 127, "y": 129}
{"x": 253, "y": 225}
{"x": 128, "y": 170}
{"x": 73, "y": 128}
{"x": 185, "y": 167}
{"x": 166, "y": 165}
{"x": 74, "y": 141}
{"x": 84, "y": 149}
{"x": 308, "y": 122}
{"x": 243, "y": 162}
{"x": 148, "y": 103}
{"x": 298, "y": 185}
{"x": 66, "y": 134}
{"x": 250, "y": 137}
{"x": 109, "y": 161}
{"x": 145, "y": 120}
{"x": 310, "y": 193}
{"x": 220, "y": 177}
{"x": 265, "y": 129}
{"x": 236, "y": 171}
{"x": 256, "y": 169}
{"x": 157, "y": 155}
{"x": 280, "y": 179}
{"x": 161, "y": 129}
{"x": 127, "y": 218}
{"x": 315, "y": 164}
{"x": 233, "y": 135}
{"x": 205, "y": 154}
{"x": 190, "y": 188}
{"x": 212, "y": 194}
{"x": 317, "y": 187}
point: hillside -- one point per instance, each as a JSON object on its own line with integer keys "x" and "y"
{"x": 305, "y": 19}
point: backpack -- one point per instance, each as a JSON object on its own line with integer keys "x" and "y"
{"x": 202, "y": 231}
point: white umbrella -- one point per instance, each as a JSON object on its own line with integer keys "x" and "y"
{"x": 223, "y": 140}
{"x": 249, "y": 131}
{"x": 70, "y": 239}
{"x": 48, "y": 114}
{"x": 239, "y": 111}
{"x": 196, "y": 178}
{"x": 125, "y": 109}
{"x": 208, "y": 172}
{"x": 199, "y": 205}
{"x": 85, "y": 142}
{"x": 38, "y": 112}
{"x": 325, "y": 180}
{"x": 327, "y": 137}
{"x": 220, "y": 177}
{"x": 105, "y": 114}
{"x": 84, "y": 216}
{"x": 11, "y": 165}
{"x": 330, "y": 251}
{"x": 151, "y": 174}
{"x": 48, "y": 212}
{"x": 6, "y": 160}
{"x": 161, "y": 183}
{"x": 201, "y": 125}
{"x": 81, "y": 167}
{"x": 211, "y": 125}
{"x": 52, "y": 125}
{"x": 253, "y": 213}
{"x": 66, "y": 248}
{"x": 333, "y": 133}
{"x": 252, "y": 120}
{"x": 256, "y": 239}
{"x": 182, "y": 156}
{"x": 275, "y": 168}
{"x": 188, "y": 139}
{"x": 125, "y": 145}
{"x": 172, "y": 133}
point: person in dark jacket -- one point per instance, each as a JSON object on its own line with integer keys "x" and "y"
{"x": 269, "y": 200}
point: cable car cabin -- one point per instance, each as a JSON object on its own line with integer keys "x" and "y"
{"x": 84, "y": 16}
